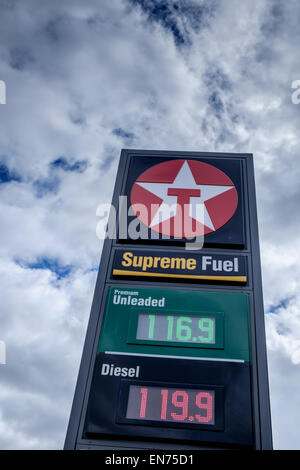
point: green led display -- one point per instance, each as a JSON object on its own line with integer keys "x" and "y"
{"x": 178, "y": 328}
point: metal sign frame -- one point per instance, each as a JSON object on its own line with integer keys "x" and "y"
{"x": 259, "y": 375}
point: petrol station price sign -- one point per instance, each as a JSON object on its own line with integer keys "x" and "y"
{"x": 144, "y": 325}
{"x": 186, "y": 399}
{"x": 159, "y": 321}
{"x": 175, "y": 351}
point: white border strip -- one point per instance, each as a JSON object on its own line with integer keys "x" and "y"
{"x": 174, "y": 357}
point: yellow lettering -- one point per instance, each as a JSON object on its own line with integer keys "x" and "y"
{"x": 165, "y": 263}
{"x": 137, "y": 261}
{"x": 147, "y": 263}
{"x": 127, "y": 259}
{"x": 191, "y": 263}
{"x": 177, "y": 263}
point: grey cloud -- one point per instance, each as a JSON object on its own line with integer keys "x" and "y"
{"x": 20, "y": 58}
{"x": 7, "y": 174}
{"x": 44, "y": 186}
{"x": 65, "y": 164}
{"x": 179, "y": 18}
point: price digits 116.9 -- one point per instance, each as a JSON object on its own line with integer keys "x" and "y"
{"x": 175, "y": 328}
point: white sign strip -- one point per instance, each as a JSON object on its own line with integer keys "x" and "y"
{"x": 174, "y": 357}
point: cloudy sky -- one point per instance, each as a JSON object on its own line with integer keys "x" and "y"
{"x": 85, "y": 79}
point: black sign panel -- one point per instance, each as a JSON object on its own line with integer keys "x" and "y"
{"x": 178, "y": 399}
{"x": 183, "y": 222}
{"x": 184, "y": 266}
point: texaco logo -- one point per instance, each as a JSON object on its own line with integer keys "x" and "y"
{"x": 183, "y": 198}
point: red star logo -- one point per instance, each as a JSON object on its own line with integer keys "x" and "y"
{"x": 184, "y": 198}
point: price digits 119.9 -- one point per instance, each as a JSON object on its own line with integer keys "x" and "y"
{"x": 171, "y": 405}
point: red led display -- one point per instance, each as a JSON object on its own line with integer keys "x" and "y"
{"x": 171, "y": 405}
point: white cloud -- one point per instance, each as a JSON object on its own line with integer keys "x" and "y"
{"x": 43, "y": 323}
